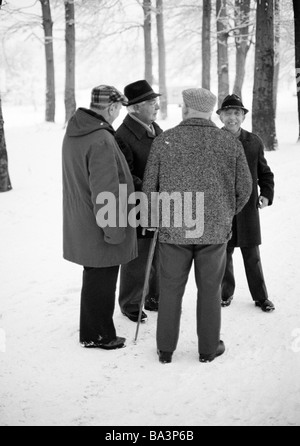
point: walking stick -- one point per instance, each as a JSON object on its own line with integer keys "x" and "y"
{"x": 146, "y": 282}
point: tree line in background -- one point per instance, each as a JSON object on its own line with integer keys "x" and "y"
{"x": 246, "y": 22}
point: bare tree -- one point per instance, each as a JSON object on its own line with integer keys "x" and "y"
{"x": 162, "y": 59}
{"x": 242, "y": 41}
{"x": 70, "y": 102}
{"x": 50, "y": 72}
{"x": 296, "y": 5}
{"x": 5, "y": 184}
{"x": 263, "y": 114}
{"x": 147, "y": 7}
{"x": 277, "y": 52}
{"x": 223, "y": 62}
{"x": 206, "y": 43}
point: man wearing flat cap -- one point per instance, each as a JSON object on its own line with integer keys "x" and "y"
{"x": 135, "y": 137}
{"x": 93, "y": 164}
{"x": 246, "y": 233}
{"x": 196, "y": 158}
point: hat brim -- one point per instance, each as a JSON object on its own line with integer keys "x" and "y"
{"x": 145, "y": 98}
{"x": 232, "y": 106}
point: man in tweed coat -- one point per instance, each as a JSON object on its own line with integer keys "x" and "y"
{"x": 196, "y": 158}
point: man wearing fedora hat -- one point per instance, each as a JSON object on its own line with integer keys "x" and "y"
{"x": 135, "y": 137}
{"x": 246, "y": 232}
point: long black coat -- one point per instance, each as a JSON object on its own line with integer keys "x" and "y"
{"x": 246, "y": 225}
{"x": 135, "y": 142}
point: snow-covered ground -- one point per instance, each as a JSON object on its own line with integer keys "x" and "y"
{"x": 47, "y": 379}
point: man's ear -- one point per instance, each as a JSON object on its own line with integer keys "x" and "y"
{"x": 111, "y": 109}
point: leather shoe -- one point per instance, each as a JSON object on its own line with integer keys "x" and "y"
{"x": 165, "y": 357}
{"x": 226, "y": 302}
{"x": 111, "y": 345}
{"x": 209, "y": 358}
{"x": 151, "y": 304}
{"x": 267, "y": 306}
{"x": 134, "y": 316}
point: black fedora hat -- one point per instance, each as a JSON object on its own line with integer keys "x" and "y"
{"x": 232, "y": 101}
{"x": 139, "y": 91}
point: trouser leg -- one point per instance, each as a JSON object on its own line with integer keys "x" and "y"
{"x": 228, "y": 282}
{"x": 133, "y": 276}
{"x": 98, "y": 304}
{"x": 254, "y": 273}
{"x": 210, "y": 262}
{"x": 175, "y": 265}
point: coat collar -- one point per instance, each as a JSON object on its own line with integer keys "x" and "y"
{"x": 244, "y": 136}
{"x": 198, "y": 122}
{"x": 139, "y": 130}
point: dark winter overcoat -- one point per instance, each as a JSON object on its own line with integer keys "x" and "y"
{"x": 196, "y": 156}
{"x": 92, "y": 164}
{"x": 246, "y": 225}
{"x": 135, "y": 142}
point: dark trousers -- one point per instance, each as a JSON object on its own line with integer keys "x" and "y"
{"x": 176, "y": 262}
{"x": 98, "y": 304}
{"x": 133, "y": 277}
{"x": 254, "y": 273}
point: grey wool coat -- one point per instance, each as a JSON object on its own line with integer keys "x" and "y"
{"x": 246, "y": 225}
{"x": 197, "y": 156}
{"x": 93, "y": 164}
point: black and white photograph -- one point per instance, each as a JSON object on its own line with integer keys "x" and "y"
{"x": 149, "y": 215}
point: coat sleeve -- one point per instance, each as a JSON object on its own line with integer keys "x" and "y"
{"x": 244, "y": 182}
{"x": 265, "y": 175}
{"x": 127, "y": 152}
{"x": 104, "y": 185}
{"x": 150, "y": 215}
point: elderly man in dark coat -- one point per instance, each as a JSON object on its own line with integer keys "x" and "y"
{"x": 205, "y": 172}
{"x": 95, "y": 169}
{"x": 246, "y": 225}
{"x": 135, "y": 137}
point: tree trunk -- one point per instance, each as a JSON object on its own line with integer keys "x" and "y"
{"x": 242, "y": 42}
{"x": 162, "y": 59}
{"x": 277, "y": 54}
{"x": 70, "y": 102}
{"x": 206, "y": 44}
{"x": 297, "y": 50}
{"x": 148, "y": 41}
{"x": 263, "y": 114}
{"x": 5, "y": 184}
{"x": 50, "y": 73}
{"x": 223, "y": 63}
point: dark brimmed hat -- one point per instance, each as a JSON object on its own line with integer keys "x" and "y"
{"x": 232, "y": 101}
{"x": 105, "y": 95}
{"x": 139, "y": 91}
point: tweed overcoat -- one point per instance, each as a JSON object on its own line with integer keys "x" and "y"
{"x": 93, "y": 163}
{"x": 197, "y": 156}
{"x": 135, "y": 142}
{"x": 246, "y": 225}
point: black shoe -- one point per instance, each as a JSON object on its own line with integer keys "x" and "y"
{"x": 111, "y": 345}
{"x": 134, "y": 316}
{"x": 267, "y": 306}
{"x": 209, "y": 358}
{"x": 151, "y": 304}
{"x": 165, "y": 357}
{"x": 226, "y": 302}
